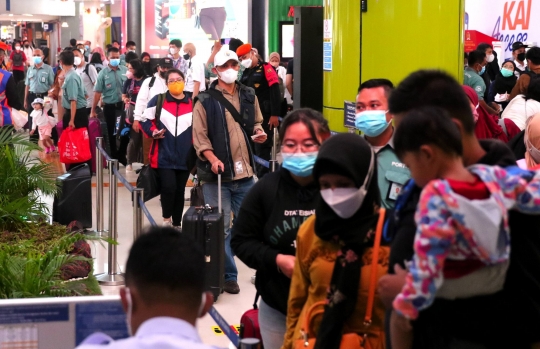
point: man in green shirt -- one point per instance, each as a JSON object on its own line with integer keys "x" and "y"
{"x": 477, "y": 66}
{"x": 375, "y": 122}
{"x": 109, "y": 87}
{"x": 73, "y": 98}
{"x": 39, "y": 79}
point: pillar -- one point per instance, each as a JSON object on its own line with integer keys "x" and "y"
{"x": 134, "y": 23}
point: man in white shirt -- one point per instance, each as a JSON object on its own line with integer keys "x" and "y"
{"x": 161, "y": 306}
{"x": 88, "y": 74}
{"x": 195, "y": 78}
{"x": 518, "y": 53}
{"x": 28, "y": 52}
{"x": 150, "y": 87}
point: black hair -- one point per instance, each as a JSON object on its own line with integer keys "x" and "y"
{"x": 130, "y": 43}
{"x": 115, "y": 42}
{"x": 137, "y": 65}
{"x": 173, "y": 70}
{"x": 73, "y": 42}
{"x": 176, "y": 42}
{"x": 533, "y": 55}
{"x": 108, "y": 46}
{"x": 476, "y": 57}
{"x": 386, "y": 84}
{"x": 67, "y": 57}
{"x": 166, "y": 267}
{"x": 466, "y": 56}
{"x": 80, "y": 44}
{"x": 533, "y": 91}
{"x": 483, "y": 47}
{"x": 96, "y": 58}
{"x": 131, "y": 56}
{"x": 113, "y": 49}
{"x": 144, "y": 54}
{"x": 433, "y": 88}
{"x": 306, "y": 116}
{"x": 427, "y": 125}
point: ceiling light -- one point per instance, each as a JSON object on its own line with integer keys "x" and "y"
{"x": 10, "y": 15}
{"x": 65, "y": 25}
{"x": 27, "y": 14}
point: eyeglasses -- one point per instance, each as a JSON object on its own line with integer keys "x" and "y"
{"x": 306, "y": 146}
{"x": 177, "y": 80}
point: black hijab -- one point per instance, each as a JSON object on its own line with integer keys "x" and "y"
{"x": 505, "y": 85}
{"x": 348, "y": 155}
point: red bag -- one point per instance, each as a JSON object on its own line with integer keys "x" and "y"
{"x": 249, "y": 323}
{"x": 74, "y": 146}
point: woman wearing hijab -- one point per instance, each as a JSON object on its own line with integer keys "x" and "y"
{"x": 486, "y": 126}
{"x": 332, "y": 262}
{"x": 504, "y": 84}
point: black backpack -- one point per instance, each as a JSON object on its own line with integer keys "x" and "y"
{"x": 98, "y": 69}
{"x": 86, "y": 72}
{"x": 17, "y": 59}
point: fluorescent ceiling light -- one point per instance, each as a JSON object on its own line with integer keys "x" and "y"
{"x": 10, "y": 15}
{"x": 27, "y": 14}
{"x": 65, "y": 25}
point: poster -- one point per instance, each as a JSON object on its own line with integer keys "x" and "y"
{"x": 176, "y": 19}
{"x": 507, "y": 21}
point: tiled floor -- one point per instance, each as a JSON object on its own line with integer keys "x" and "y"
{"x": 231, "y": 307}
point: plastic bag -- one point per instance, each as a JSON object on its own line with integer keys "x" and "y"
{"x": 74, "y": 146}
{"x": 19, "y": 118}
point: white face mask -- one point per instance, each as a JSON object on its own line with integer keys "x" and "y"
{"x": 490, "y": 58}
{"x": 77, "y": 61}
{"x": 345, "y": 202}
{"x": 247, "y": 63}
{"x": 129, "y": 311}
{"x": 173, "y": 51}
{"x": 229, "y": 76}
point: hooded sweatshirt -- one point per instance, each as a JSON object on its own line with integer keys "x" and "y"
{"x": 267, "y": 225}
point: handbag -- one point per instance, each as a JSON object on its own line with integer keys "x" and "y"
{"x": 249, "y": 323}
{"x": 74, "y": 146}
{"x": 196, "y": 197}
{"x": 348, "y": 340}
{"x": 19, "y": 118}
{"x": 149, "y": 181}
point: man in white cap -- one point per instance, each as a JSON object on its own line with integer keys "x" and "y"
{"x": 228, "y": 153}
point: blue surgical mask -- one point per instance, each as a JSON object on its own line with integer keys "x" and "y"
{"x": 506, "y": 72}
{"x": 86, "y": 47}
{"x": 483, "y": 70}
{"x": 37, "y": 60}
{"x": 115, "y": 62}
{"x": 299, "y": 164}
{"x": 371, "y": 122}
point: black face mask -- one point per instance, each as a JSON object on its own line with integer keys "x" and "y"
{"x": 186, "y": 56}
{"x": 162, "y": 74}
{"x": 27, "y": 46}
{"x": 521, "y": 56}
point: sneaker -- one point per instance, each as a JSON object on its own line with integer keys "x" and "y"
{"x": 167, "y": 224}
{"x": 129, "y": 168}
{"x": 178, "y": 227}
{"x": 231, "y": 287}
{"x": 47, "y": 151}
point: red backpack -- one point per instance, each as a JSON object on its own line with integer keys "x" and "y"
{"x": 249, "y": 323}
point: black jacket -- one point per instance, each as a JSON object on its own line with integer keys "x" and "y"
{"x": 266, "y": 226}
{"x": 480, "y": 319}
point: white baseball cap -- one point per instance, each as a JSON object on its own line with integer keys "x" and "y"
{"x": 38, "y": 101}
{"x": 224, "y": 56}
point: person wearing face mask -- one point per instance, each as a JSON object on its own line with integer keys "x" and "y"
{"x": 39, "y": 79}
{"x": 161, "y": 307}
{"x": 18, "y": 61}
{"x": 145, "y": 58}
{"x": 504, "y": 84}
{"x": 492, "y": 67}
{"x": 264, "y": 234}
{"x": 171, "y": 144}
{"x": 135, "y": 78}
{"x": 28, "y": 52}
{"x": 131, "y": 46}
{"x": 230, "y": 152}
{"x": 332, "y": 247}
{"x": 373, "y": 119}
{"x": 533, "y": 64}
{"x": 195, "y": 78}
{"x": 109, "y": 87}
{"x": 473, "y": 78}
{"x": 518, "y": 53}
{"x": 281, "y": 71}
{"x": 262, "y": 77}
{"x": 150, "y": 87}
{"x": 89, "y": 75}
{"x": 174, "y": 53}
{"x": 87, "y": 50}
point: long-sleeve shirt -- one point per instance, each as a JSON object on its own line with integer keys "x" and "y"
{"x": 146, "y": 93}
{"x": 40, "y": 118}
{"x": 450, "y": 227}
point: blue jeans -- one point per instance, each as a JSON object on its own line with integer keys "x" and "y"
{"x": 232, "y": 195}
{"x": 273, "y": 326}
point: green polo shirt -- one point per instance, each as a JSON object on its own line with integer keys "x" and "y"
{"x": 392, "y": 175}
{"x": 109, "y": 83}
{"x": 39, "y": 79}
{"x": 73, "y": 90}
{"x": 475, "y": 81}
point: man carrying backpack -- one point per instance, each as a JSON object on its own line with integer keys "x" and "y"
{"x": 18, "y": 61}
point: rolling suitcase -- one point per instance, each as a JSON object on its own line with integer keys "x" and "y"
{"x": 74, "y": 201}
{"x": 94, "y": 130}
{"x": 104, "y": 133}
{"x": 205, "y": 225}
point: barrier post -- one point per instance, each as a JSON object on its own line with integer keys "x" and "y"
{"x": 113, "y": 277}
{"x": 273, "y": 158}
{"x": 99, "y": 188}
{"x": 137, "y": 213}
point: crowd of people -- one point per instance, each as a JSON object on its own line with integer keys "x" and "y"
{"x": 449, "y": 167}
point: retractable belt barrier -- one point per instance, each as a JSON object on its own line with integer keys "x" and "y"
{"x": 139, "y": 206}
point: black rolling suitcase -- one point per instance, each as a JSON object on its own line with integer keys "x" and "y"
{"x": 104, "y": 130}
{"x": 205, "y": 225}
{"x": 74, "y": 201}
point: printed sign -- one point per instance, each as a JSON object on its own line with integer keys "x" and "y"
{"x": 349, "y": 112}
{"x": 327, "y": 55}
{"x": 18, "y": 314}
{"x": 106, "y": 317}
